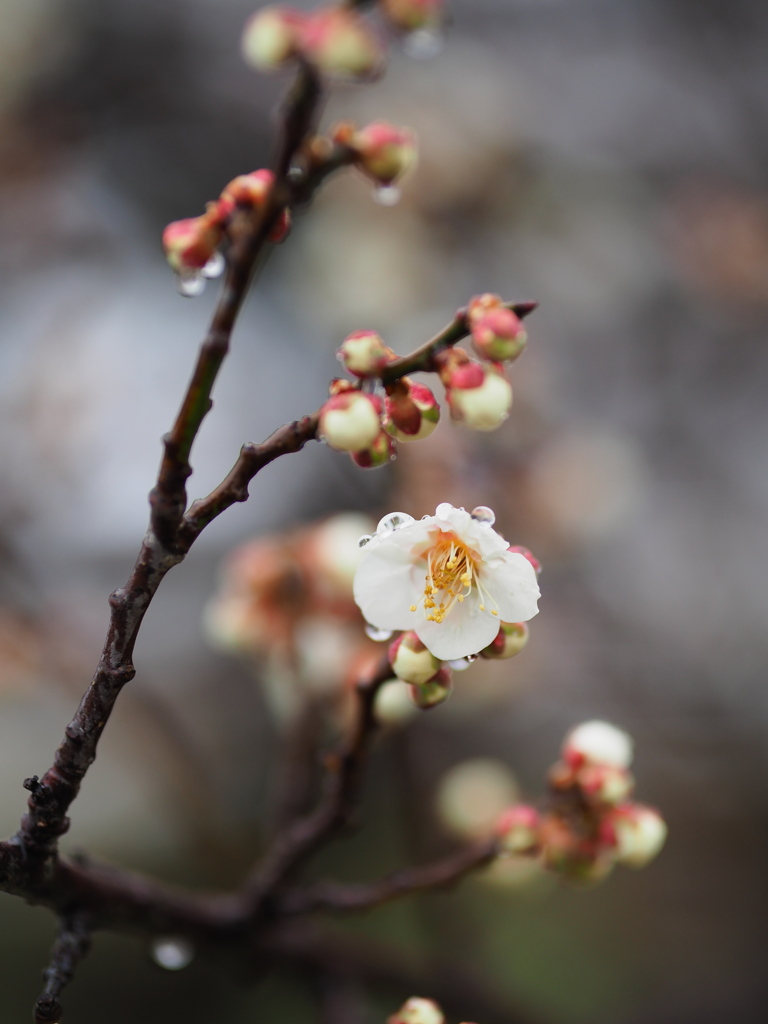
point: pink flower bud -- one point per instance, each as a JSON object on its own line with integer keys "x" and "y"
{"x": 189, "y": 244}
{"x": 479, "y": 305}
{"x": 478, "y": 396}
{"x": 510, "y": 640}
{"x": 638, "y": 833}
{"x": 384, "y": 152}
{"x": 518, "y": 829}
{"x": 518, "y": 550}
{"x": 597, "y": 743}
{"x": 499, "y": 335}
{"x": 410, "y": 15}
{"x": 350, "y": 421}
{"x": 418, "y": 1011}
{"x": 339, "y": 41}
{"x": 251, "y": 191}
{"x": 377, "y": 454}
{"x": 411, "y": 411}
{"x": 364, "y": 353}
{"x": 604, "y": 783}
{"x": 411, "y": 661}
{"x": 271, "y": 37}
{"x": 436, "y": 691}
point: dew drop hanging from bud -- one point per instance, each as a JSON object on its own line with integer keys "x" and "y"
{"x": 387, "y": 195}
{"x": 190, "y": 285}
{"x": 173, "y": 954}
{"x": 483, "y": 514}
{"x": 423, "y": 44}
{"x": 394, "y": 521}
{"x": 461, "y": 664}
{"x": 379, "y": 635}
{"x": 214, "y": 267}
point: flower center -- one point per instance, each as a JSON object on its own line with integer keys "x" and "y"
{"x": 452, "y": 572}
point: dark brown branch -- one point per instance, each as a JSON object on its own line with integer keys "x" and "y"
{"x": 423, "y": 358}
{"x": 166, "y": 544}
{"x": 345, "y": 770}
{"x": 253, "y": 457}
{"x": 336, "y": 897}
{"x": 72, "y": 944}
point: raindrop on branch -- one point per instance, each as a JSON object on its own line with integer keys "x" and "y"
{"x": 173, "y": 954}
{"x": 214, "y": 267}
{"x": 387, "y": 195}
{"x": 190, "y": 285}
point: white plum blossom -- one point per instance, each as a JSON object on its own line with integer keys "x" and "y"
{"x": 449, "y": 577}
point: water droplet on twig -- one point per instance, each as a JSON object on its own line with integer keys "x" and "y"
{"x": 190, "y": 285}
{"x": 173, "y": 954}
{"x": 214, "y": 267}
{"x": 387, "y": 195}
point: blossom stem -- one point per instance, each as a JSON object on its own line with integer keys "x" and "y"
{"x": 423, "y": 358}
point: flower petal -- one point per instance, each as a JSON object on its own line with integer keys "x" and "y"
{"x": 465, "y": 630}
{"x": 388, "y": 581}
{"x": 510, "y": 582}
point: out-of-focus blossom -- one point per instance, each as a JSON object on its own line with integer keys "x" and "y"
{"x": 340, "y": 41}
{"x": 637, "y": 832}
{"x": 598, "y": 742}
{"x": 384, "y": 153}
{"x": 473, "y": 794}
{"x": 418, "y": 1011}
{"x": 272, "y": 36}
{"x": 449, "y": 578}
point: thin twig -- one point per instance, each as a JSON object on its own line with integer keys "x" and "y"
{"x": 345, "y": 769}
{"x": 338, "y": 897}
{"x": 423, "y": 358}
{"x": 72, "y": 944}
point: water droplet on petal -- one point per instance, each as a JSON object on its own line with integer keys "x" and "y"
{"x": 387, "y": 195}
{"x": 374, "y": 633}
{"x": 214, "y": 267}
{"x": 394, "y": 521}
{"x": 365, "y": 539}
{"x": 483, "y": 514}
{"x": 423, "y": 43}
{"x": 462, "y": 664}
{"x": 444, "y": 509}
{"x": 190, "y": 285}
{"x": 173, "y": 954}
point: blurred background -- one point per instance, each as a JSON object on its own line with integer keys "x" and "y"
{"x": 608, "y": 160}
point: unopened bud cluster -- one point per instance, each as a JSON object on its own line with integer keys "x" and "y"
{"x": 192, "y": 245}
{"x": 592, "y": 823}
{"x": 428, "y": 678}
{"x": 478, "y": 393}
{"x": 338, "y": 41}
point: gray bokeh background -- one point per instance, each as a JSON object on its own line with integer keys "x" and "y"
{"x": 607, "y": 159}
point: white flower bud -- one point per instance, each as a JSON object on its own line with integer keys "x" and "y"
{"x": 349, "y": 421}
{"x": 484, "y": 407}
{"x": 640, "y": 833}
{"x": 418, "y": 1011}
{"x": 411, "y": 661}
{"x": 598, "y": 742}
